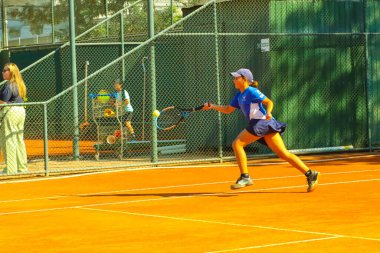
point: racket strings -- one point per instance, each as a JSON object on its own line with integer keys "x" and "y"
{"x": 169, "y": 118}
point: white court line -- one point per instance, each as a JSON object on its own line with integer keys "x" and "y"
{"x": 60, "y": 177}
{"x": 208, "y": 221}
{"x": 274, "y": 244}
{"x": 40, "y": 210}
{"x": 184, "y": 196}
{"x": 231, "y": 224}
{"x": 115, "y": 191}
{"x": 172, "y": 186}
{"x": 317, "y": 161}
{"x": 172, "y": 167}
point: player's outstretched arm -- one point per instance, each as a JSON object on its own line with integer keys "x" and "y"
{"x": 226, "y": 109}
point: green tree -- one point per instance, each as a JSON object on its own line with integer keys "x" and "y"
{"x": 90, "y": 12}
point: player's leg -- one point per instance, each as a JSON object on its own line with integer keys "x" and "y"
{"x": 128, "y": 124}
{"x": 22, "y": 164}
{"x": 9, "y": 132}
{"x": 275, "y": 142}
{"x": 2, "y": 144}
{"x": 243, "y": 139}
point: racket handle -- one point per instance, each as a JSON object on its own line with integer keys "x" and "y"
{"x": 198, "y": 108}
{"x": 201, "y": 107}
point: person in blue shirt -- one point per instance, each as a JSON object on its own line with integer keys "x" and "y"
{"x": 123, "y": 98}
{"x": 12, "y": 121}
{"x": 262, "y": 127}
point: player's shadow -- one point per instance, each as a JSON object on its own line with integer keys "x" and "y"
{"x": 164, "y": 195}
{"x": 274, "y": 192}
{"x": 190, "y": 194}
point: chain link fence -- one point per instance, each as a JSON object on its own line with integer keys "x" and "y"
{"x": 27, "y": 23}
{"x": 318, "y": 61}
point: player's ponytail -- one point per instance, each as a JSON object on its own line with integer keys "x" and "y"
{"x": 254, "y": 84}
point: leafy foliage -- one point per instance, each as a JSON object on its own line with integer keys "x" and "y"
{"x": 90, "y": 12}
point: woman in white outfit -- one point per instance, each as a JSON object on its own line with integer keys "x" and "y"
{"x": 12, "y": 121}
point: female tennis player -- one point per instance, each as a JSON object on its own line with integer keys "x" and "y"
{"x": 262, "y": 127}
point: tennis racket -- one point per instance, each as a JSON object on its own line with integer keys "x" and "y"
{"x": 172, "y": 116}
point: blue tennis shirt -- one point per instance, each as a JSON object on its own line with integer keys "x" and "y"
{"x": 250, "y": 102}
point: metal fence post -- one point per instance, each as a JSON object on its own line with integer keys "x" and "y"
{"x": 122, "y": 45}
{"x": 220, "y": 134}
{"x": 107, "y": 24}
{"x": 52, "y": 22}
{"x": 74, "y": 81}
{"x": 4, "y": 24}
{"x": 367, "y": 78}
{"x": 171, "y": 12}
{"x": 154, "y": 157}
{"x": 46, "y": 139}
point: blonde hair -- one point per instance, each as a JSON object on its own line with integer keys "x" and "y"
{"x": 16, "y": 79}
{"x": 253, "y": 83}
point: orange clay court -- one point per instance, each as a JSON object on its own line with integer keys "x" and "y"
{"x": 192, "y": 209}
